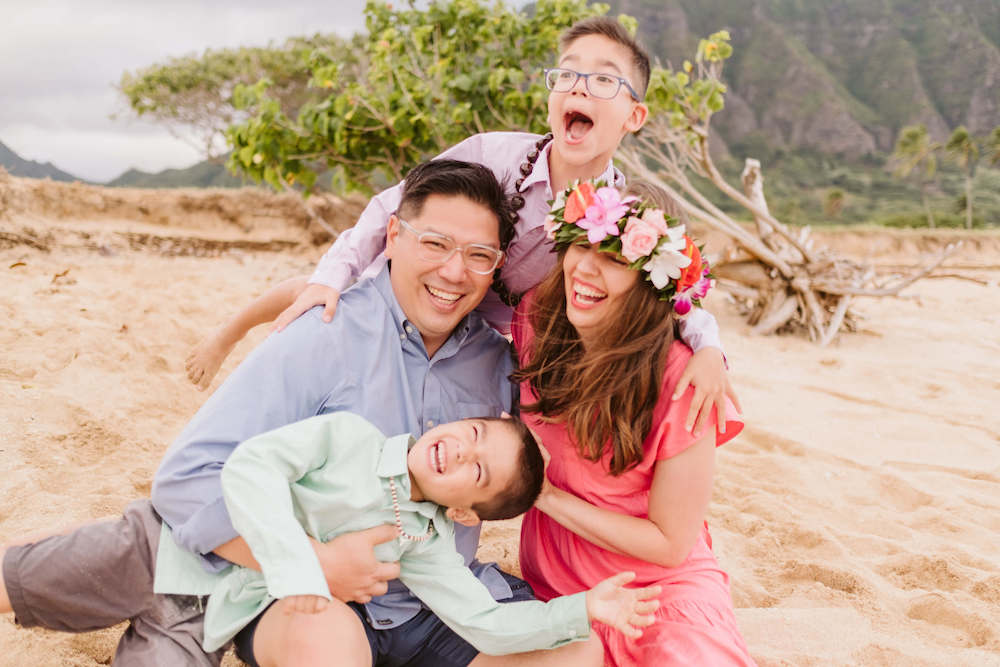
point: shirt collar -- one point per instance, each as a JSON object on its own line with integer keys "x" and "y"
{"x": 540, "y": 173}
{"x": 392, "y": 465}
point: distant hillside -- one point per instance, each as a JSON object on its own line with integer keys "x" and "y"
{"x": 838, "y": 76}
{"x": 18, "y": 166}
{"x": 207, "y": 174}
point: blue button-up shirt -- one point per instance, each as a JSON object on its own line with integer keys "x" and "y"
{"x": 369, "y": 360}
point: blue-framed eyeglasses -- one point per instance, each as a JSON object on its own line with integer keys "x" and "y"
{"x": 439, "y": 248}
{"x": 599, "y": 84}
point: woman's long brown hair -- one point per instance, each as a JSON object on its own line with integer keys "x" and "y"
{"x": 607, "y": 393}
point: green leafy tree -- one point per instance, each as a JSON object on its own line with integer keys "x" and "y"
{"x": 427, "y": 79}
{"x": 193, "y": 95}
{"x": 915, "y": 152}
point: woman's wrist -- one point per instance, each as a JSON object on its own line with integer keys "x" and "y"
{"x": 547, "y": 497}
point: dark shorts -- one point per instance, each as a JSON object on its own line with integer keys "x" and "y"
{"x": 100, "y": 575}
{"x": 423, "y": 641}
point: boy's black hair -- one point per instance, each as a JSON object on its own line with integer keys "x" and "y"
{"x": 455, "y": 177}
{"x": 616, "y": 32}
{"x": 524, "y": 488}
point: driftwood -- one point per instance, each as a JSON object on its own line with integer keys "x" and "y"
{"x": 780, "y": 279}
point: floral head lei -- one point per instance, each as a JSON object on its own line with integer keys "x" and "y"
{"x": 648, "y": 239}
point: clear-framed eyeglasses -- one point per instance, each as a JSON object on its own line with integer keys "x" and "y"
{"x": 599, "y": 84}
{"x": 439, "y": 248}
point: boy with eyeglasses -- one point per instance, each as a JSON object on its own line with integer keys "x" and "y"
{"x": 595, "y": 101}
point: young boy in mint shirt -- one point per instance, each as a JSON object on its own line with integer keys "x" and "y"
{"x": 337, "y": 473}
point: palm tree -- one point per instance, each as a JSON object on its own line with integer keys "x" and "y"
{"x": 993, "y": 146}
{"x": 962, "y": 147}
{"x": 915, "y": 150}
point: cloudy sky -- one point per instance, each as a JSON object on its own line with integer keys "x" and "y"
{"x": 60, "y": 59}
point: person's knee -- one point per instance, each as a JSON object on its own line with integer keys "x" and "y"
{"x": 332, "y": 637}
{"x": 588, "y": 653}
{"x": 4, "y": 598}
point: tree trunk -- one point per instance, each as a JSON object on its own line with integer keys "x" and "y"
{"x": 968, "y": 202}
{"x": 927, "y": 207}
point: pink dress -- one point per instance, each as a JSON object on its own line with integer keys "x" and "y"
{"x": 695, "y": 622}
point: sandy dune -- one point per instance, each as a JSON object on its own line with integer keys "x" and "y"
{"x": 858, "y": 514}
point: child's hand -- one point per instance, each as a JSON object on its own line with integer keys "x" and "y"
{"x": 706, "y": 371}
{"x": 627, "y": 609}
{"x": 313, "y": 295}
{"x": 305, "y": 604}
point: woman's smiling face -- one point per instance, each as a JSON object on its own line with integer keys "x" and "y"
{"x": 596, "y": 283}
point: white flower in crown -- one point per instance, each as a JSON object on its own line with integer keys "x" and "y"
{"x": 560, "y": 200}
{"x": 668, "y": 260}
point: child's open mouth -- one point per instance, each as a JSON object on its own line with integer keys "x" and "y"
{"x": 577, "y": 125}
{"x": 437, "y": 456}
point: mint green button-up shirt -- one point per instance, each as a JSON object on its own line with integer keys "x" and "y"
{"x": 328, "y": 475}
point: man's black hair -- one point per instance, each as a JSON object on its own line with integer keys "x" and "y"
{"x": 455, "y": 177}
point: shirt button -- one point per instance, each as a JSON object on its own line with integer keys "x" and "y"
{"x": 402, "y": 336}
{"x": 409, "y": 329}
{"x": 430, "y": 422}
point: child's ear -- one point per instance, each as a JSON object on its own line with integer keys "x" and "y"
{"x": 391, "y": 234}
{"x": 466, "y": 517}
{"x": 635, "y": 121}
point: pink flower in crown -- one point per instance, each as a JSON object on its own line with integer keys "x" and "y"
{"x": 638, "y": 240}
{"x": 683, "y": 300}
{"x": 602, "y": 215}
{"x": 655, "y": 218}
{"x": 550, "y": 225}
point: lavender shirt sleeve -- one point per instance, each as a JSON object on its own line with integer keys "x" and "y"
{"x": 357, "y": 248}
{"x": 700, "y": 330}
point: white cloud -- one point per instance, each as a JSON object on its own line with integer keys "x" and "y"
{"x": 59, "y": 62}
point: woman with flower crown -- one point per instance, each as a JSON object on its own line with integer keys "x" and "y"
{"x": 628, "y": 486}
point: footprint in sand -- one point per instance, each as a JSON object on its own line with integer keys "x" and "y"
{"x": 911, "y": 571}
{"x": 951, "y": 623}
{"x": 89, "y": 443}
{"x": 988, "y": 590}
{"x": 901, "y": 495}
{"x": 837, "y": 579}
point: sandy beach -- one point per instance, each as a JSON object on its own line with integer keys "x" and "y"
{"x": 858, "y": 514}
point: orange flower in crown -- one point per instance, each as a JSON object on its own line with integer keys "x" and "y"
{"x": 690, "y": 274}
{"x": 578, "y": 200}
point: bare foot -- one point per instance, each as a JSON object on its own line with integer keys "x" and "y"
{"x": 206, "y": 358}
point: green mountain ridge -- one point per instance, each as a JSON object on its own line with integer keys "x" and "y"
{"x": 18, "y": 166}
{"x": 839, "y": 76}
{"x": 205, "y": 174}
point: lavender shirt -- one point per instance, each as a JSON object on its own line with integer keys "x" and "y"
{"x": 358, "y": 251}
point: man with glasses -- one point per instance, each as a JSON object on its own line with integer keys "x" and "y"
{"x": 597, "y": 87}
{"x": 404, "y": 351}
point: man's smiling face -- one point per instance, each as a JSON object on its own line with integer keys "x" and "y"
{"x": 435, "y": 297}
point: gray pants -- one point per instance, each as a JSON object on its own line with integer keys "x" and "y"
{"x": 100, "y": 575}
